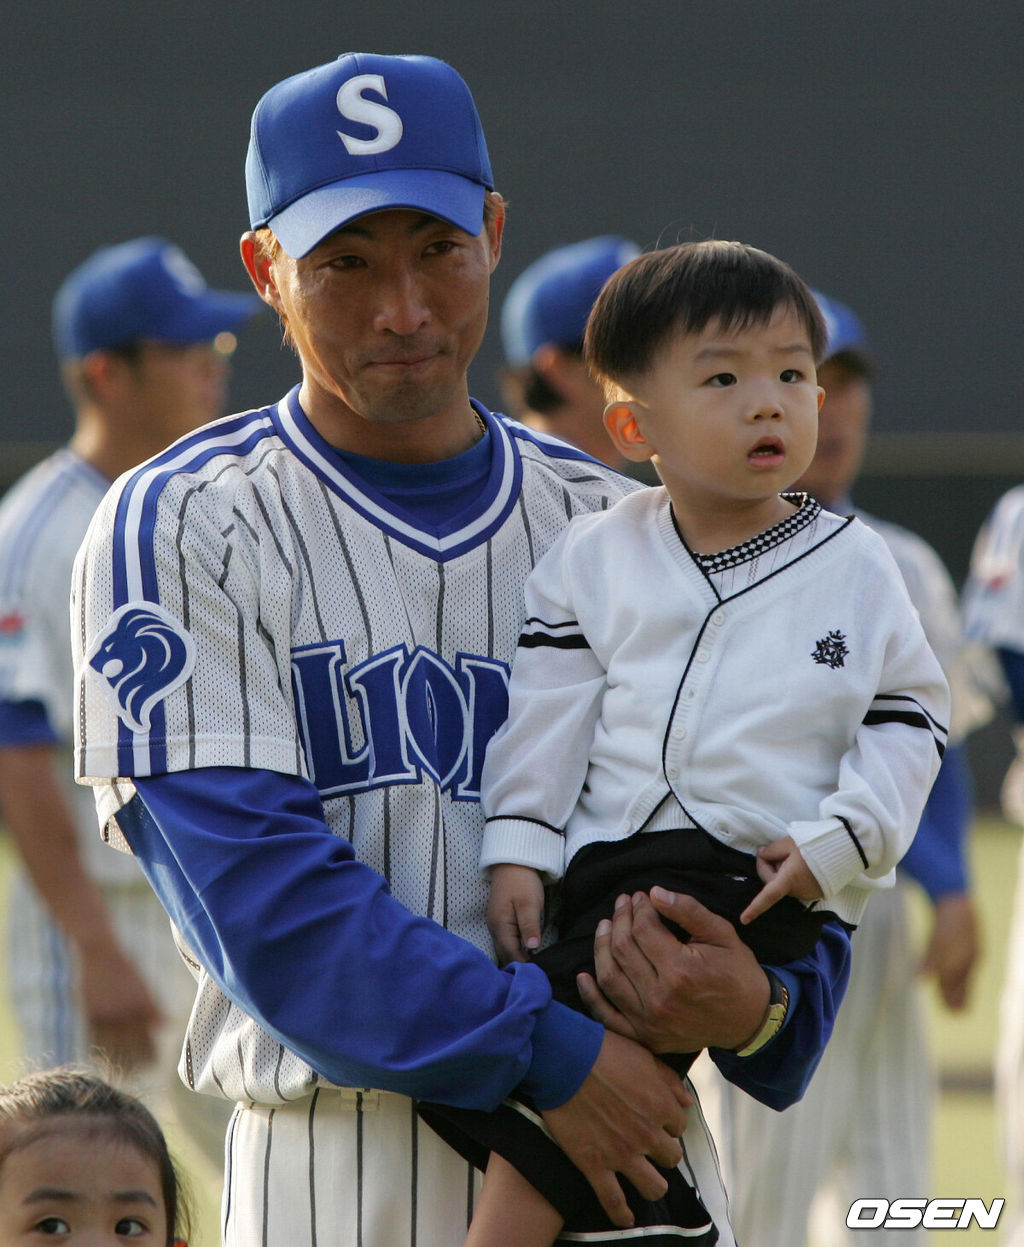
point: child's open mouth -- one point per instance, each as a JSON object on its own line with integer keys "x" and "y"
{"x": 768, "y": 450}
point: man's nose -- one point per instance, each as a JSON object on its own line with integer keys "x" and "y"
{"x": 401, "y": 304}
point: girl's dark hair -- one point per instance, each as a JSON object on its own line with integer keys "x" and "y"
{"x": 37, "y": 1099}
{"x": 683, "y": 288}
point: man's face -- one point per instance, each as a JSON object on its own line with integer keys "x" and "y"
{"x": 842, "y": 432}
{"x": 386, "y": 315}
{"x": 175, "y": 388}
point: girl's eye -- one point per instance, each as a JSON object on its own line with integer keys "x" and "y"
{"x": 53, "y": 1225}
{"x": 791, "y": 375}
{"x": 130, "y": 1227}
{"x": 722, "y": 378}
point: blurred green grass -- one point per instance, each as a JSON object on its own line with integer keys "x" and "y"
{"x": 966, "y": 1151}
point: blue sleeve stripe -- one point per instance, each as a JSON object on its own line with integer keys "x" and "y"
{"x": 133, "y": 563}
{"x": 134, "y": 569}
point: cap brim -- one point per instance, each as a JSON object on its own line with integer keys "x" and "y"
{"x": 213, "y": 312}
{"x": 308, "y": 221}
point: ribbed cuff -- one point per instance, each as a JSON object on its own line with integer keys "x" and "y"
{"x": 830, "y": 851}
{"x": 523, "y": 842}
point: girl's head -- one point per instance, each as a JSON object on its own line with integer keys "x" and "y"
{"x": 78, "y": 1156}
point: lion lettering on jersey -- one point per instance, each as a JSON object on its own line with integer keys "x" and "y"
{"x": 396, "y": 715}
{"x": 142, "y": 655}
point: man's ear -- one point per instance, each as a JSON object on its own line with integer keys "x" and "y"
{"x": 259, "y": 266}
{"x": 495, "y": 228}
{"x": 103, "y": 374}
{"x": 621, "y": 423}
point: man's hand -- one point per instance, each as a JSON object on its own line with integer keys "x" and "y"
{"x": 630, "y": 1107}
{"x": 121, "y": 1014}
{"x": 515, "y": 911}
{"x": 671, "y": 996}
{"x": 953, "y": 948}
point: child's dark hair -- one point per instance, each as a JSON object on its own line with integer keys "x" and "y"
{"x": 682, "y": 289}
{"x": 30, "y": 1104}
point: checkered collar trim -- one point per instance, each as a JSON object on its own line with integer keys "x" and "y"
{"x": 808, "y": 512}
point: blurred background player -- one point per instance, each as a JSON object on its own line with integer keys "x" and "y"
{"x": 864, "y": 1125}
{"x": 144, "y": 347}
{"x": 544, "y": 381}
{"x": 993, "y": 607}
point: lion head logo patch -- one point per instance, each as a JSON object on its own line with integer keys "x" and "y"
{"x": 142, "y": 655}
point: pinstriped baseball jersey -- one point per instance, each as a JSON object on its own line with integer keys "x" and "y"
{"x": 246, "y": 600}
{"x": 42, "y": 522}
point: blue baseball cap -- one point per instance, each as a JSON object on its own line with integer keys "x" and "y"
{"x": 846, "y": 334}
{"x": 551, "y": 299}
{"x": 361, "y": 134}
{"x": 145, "y": 288}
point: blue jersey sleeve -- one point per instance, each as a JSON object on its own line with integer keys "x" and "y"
{"x": 937, "y": 857}
{"x": 778, "y": 1075}
{"x": 309, "y": 942}
{"x": 1012, "y": 662}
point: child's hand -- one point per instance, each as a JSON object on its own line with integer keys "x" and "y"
{"x": 514, "y": 911}
{"x": 784, "y": 872}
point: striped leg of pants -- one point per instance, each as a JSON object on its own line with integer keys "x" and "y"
{"x": 342, "y": 1168}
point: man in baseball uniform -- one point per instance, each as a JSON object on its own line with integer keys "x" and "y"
{"x": 864, "y": 1127}
{"x": 91, "y": 963}
{"x": 993, "y": 607}
{"x": 544, "y": 379}
{"x": 293, "y": 632}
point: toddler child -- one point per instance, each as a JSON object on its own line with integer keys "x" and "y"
{"x": 720, "y": 689}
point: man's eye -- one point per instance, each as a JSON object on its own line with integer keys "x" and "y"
{"x": 443, "y": 246}
{"x": 346, "y": 261}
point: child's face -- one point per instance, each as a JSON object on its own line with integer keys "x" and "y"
{"x": 81, "y": 1187}
{"x": 731, "y": 416}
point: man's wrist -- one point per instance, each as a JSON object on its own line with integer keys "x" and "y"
{"x": 773, "y": 1020}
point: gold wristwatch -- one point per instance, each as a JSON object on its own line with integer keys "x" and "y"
{"x": 778, "y": 1005}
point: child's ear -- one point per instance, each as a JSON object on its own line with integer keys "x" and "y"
{"x": 624, "y": 430}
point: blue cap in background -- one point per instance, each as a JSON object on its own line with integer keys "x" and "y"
{"x": 145, "y": 288}
{"x": 551, "y": 299}
{"x": 846, "y": 334}
{"x": 361, "y": 134}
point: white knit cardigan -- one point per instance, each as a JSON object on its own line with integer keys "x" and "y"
{"x": 807, "y": 704}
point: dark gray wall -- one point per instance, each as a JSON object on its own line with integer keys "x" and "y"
{"x": 876, "y": 146}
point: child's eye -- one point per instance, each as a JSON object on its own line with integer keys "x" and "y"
{"x": 722, "y": 378}
{"x": 791, "y": 375}
{"x": 52, "y": 1225}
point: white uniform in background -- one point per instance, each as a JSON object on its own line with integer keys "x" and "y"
{"x": 993, "y": 605}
